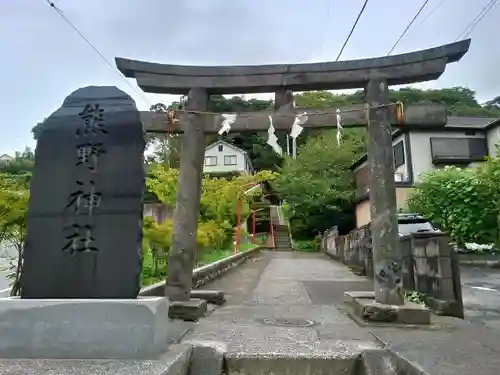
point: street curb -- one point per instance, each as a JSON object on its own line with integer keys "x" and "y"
{"x": 206, "y": 273}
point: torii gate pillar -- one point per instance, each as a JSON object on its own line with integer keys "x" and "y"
{"x": 383, "y": 206}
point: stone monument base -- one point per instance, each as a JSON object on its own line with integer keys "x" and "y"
{"x": 191, "y": 310}
{"x": 87, "y": 328}
{"x": 364, "y": 307}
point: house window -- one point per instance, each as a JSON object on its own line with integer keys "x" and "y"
{"x": 210, "y": 161}
{"x": 230, "y": 160}
{"x": 221, "y": 148}
{"x": 399, "y": 154}
{"x": 458, "y": 150}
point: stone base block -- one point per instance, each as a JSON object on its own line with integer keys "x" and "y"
{"x": 216, "y": 297}
{"x": 191, "y": 310}
{"x": 409, "y": 313}
{"x": 80, "y": 329}
{"x": 349, "y": 297}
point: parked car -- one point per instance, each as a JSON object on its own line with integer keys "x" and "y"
{"x": 414, "y": 223}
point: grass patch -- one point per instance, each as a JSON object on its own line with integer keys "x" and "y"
{"x": 309, "y": 246}
{"x": 153, "y": 273}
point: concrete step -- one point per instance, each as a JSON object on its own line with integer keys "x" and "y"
{"x": 174, "y": 362}
{"x": 300, "y": 364}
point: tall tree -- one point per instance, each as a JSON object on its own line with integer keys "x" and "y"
{"x": 318, "y": 186}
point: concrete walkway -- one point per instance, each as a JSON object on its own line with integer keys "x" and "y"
{"x": 281, "y": 317}
{"x": 289, "y": 306}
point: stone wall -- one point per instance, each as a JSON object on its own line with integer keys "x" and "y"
{"x": 353, "y": 249}
{"x": 429, "y": 265}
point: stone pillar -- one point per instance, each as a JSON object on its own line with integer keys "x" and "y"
{"x": 384, "y": 224}
{"x": 182, "y": 255}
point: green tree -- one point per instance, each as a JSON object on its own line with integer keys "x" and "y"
{"x": 14, "y": 196}
{"x": 318, "y": 186}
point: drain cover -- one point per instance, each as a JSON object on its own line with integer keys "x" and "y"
{"x": 288, "y": 322}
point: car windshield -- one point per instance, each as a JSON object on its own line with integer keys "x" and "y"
{"x": 414, "y": 226}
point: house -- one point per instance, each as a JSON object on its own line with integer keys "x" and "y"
{"x": 5, "y": 158}
{"x": 224, "y": 158}
{"x": 464, "y": 142}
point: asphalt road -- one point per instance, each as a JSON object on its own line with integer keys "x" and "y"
{"x": 481, "y": 295}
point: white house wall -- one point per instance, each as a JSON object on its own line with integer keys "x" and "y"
{"x": 220, "y": 167}
{"x": 493, "y": 139}
{"x": 420, "y": 146}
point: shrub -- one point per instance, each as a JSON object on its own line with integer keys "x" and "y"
{"x": 459, "y": 202}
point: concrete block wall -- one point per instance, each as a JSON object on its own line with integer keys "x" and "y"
{"x": 434, "y": 272}
{"x": 429, "y": 265}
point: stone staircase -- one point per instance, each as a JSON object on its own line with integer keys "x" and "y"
{"x": 282, "y": 238}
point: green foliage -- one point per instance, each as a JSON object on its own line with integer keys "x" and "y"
{"x": 14, "y": 196}
{"x": 305, "y": 245}
{"x": 489, "y": 174}
{"x": 415, "y": 297}
{"x": 21, "y": 166}
{"x": 219, "y": 195}
{"x": 318, "y": 185}
{"x": 218, "y": 216}
{"x": 459, "y": 202}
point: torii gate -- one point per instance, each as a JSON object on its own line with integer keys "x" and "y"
{"x": 374, "y": 75}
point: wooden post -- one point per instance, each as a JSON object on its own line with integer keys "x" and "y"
{"x": 254, "y": 223}
{"x": 182, "y": 255}
{"x": 384, "y": 223}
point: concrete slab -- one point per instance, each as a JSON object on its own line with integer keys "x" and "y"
{"x": 175, "y": 362}
{"x": 331, "y": 292}
{"x": 81, "y": 329}
{"x": 458, "y": 348}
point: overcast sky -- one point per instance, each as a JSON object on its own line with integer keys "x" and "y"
{"x": 43, "y": 59}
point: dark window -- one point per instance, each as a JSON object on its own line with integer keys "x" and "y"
{"x": 478, "y": 148}
{"x": 399, "y": 154}
{"x": 221, "y": 148}
{"x": 470, "y": 132}
{"x": 458, "y": 150}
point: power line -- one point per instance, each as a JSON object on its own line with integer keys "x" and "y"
{"x": 408, "y": 27}
{"x": 352, "y": 29}
{"x": 427, "y": 16}
{"x": 59, "y": 11}
{"x": 467, "y": 31}
{"x": 431, "y": 13}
